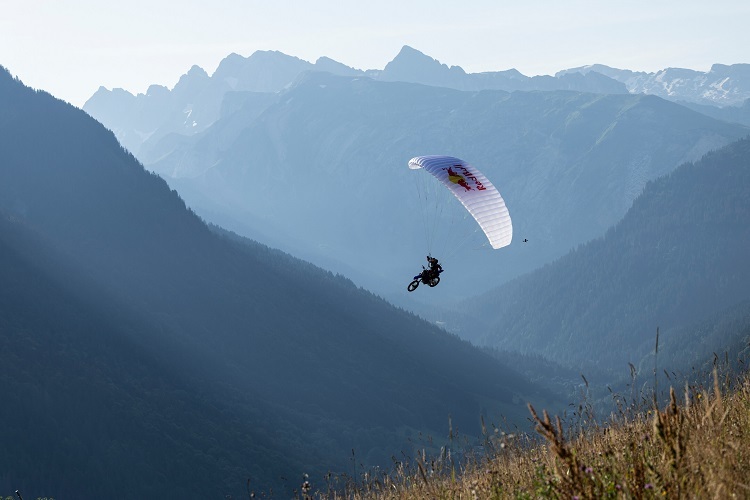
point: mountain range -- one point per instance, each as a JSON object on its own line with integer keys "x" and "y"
{"x": 722, "y": 86}
{"x": 294, "y": 168}
{"x": 195, "y": 101}
{"x": 321, "y": 173}
{"x": 148, "y": 354}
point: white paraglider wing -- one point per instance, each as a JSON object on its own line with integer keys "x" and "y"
{"x": 475, "y": 192}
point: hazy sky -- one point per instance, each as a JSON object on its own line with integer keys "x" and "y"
{"x": 71, "y": 47}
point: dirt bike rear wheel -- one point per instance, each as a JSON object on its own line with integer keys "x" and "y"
{"x": 434, "y": 281}
{"x": 413, "y": 285}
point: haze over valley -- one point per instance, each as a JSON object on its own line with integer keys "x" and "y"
{"x": 314, "y": 162}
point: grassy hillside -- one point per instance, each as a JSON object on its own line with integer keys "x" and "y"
{"x": 695, "y": 446}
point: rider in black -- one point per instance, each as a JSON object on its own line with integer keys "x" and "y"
{"x": 435, "y": 268}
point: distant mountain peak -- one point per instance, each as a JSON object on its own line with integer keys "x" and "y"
{"x": 101, "y": 91}
{"x": 234, "y": 56}
{"x": 155, "y": 90}
{"x": 412, "y": 56}
{"x": 406, "y": 50}
{"x": 229, "y": 64}
{"x": 195, "y": 79}
{"x": 111, "y": 100}
{"x": 274, "y": 56}
{"x": 195, "y": 76}
{"x": 413, "y": 65}
{"x": 326, "y": 60}
{"x": 258, "y": 64}
{"x": 196, "y": 70}
{"x": 331, "y": 66}
{"x": 271, "y": 53}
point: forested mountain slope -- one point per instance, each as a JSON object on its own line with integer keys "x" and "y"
{"x": 679, "y": 257}
{"x": 142, "y": 349}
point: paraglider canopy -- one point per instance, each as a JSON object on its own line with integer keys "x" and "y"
{"x": 474, "y": 191}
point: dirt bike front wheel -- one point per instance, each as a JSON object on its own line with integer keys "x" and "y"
{"x": 413, "y": 285}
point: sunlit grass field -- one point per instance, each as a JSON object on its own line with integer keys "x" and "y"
{"x": 694, "y": 445}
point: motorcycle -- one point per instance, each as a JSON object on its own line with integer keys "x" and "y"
{"x": 427, "y": 276}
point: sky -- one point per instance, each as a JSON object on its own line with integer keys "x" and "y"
{"x": 70, "y": 48}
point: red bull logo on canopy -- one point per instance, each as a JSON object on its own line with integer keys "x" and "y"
{"x": 461, "y": 178}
